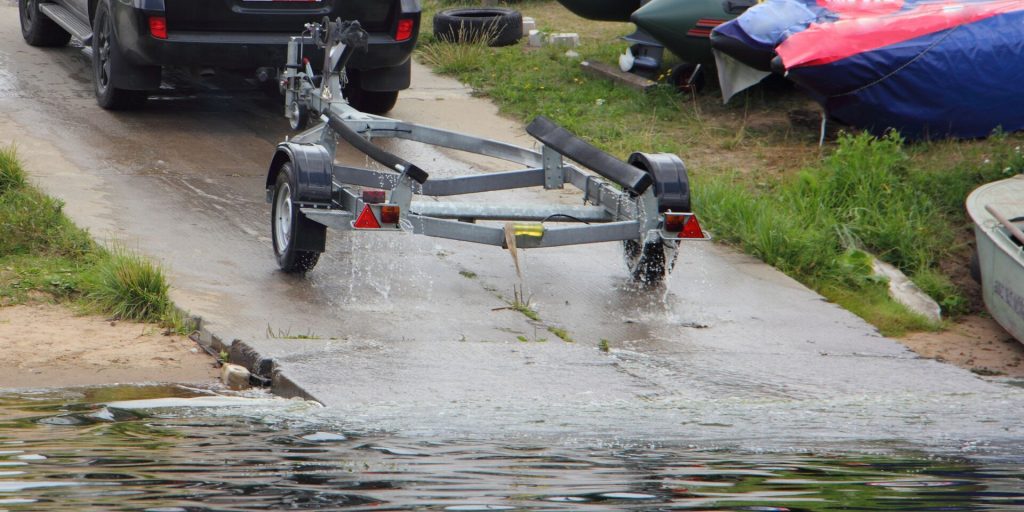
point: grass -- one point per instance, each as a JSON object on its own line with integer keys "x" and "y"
{"x": 760, "y": 181}
{"x": 44, "y": 256}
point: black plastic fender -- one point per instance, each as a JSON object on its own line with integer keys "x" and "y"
{"x": 671, "y": 182}
{"x": 312, "y": 166}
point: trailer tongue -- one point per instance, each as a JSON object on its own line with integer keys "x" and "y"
{"x": 647, "y": 208}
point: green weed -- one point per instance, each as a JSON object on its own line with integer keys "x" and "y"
{"x": 287, "y": 335}
{"x": 12, "y": 176}
{"x": 561, "y": 333}
{"x": 129, "y": 287}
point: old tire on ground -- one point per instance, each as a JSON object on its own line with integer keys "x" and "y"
{"x": 37, "y": 28}
{"x": 495, "y": 26}
{"x": 104, "y": 49}
{"x": 371, "y": 102}
{"x": 290, "y": 228}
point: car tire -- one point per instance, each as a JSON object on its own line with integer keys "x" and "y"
{"x": 290, "y": 229}
{"x": 371, "y": 102}
{"x": 499, "y": 27}
{"x": 104, "y": 51}
{"x": 37, "y": 28}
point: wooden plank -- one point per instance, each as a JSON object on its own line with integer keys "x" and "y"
{"x": 617, "y": 75}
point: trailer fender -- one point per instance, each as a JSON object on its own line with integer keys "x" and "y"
{"x": 671, "y": 182}
{"x": 312, "y": 166}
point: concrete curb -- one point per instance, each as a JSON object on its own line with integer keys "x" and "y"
{"x": 241, "y": 353}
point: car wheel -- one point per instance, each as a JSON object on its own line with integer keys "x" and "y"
{"x": 290, "y": 229}
{"x": 371, "y": 102}
{"x": 104, "y": 50}
{"x": 37, "y": 28}
{"x": 495, "y": 26}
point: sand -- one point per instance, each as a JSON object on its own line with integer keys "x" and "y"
{"x": 45, "y": 345}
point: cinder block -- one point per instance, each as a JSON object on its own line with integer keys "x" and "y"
{"x": 568, "y": 39}
{"x": 536, "y": 38}
{"x": 529, "y": 24}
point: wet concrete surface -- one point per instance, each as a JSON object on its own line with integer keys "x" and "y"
{"x": 411, "y": 334}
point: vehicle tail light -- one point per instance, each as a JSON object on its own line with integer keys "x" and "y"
{"x": 158, "y": 27}
{"x": 404, "y": 30}
{"x": 366, "y": 219}
{"x": 373, "y": 196}
{"x": 389, "y": 213}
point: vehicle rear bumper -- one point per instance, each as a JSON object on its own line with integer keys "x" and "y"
{"x": 249, "y": 50}
{"x": 240, "y": 50}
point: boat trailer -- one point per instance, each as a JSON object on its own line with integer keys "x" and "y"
{"x": 644, "y": 202}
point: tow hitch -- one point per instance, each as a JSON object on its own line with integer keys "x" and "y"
{"x": 644, "y": 202}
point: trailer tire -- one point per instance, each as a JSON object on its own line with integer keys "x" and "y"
{"x": 37, "y": 28}
{"x": 290, "y": 229}
{"x": 649, "y": 263}
{"x": 500, "y": 27}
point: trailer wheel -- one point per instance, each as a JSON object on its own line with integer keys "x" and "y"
{"x": 37, "y": 28}
{"x": 290, "y": 229}
{"x": 299, "y": 116}
{"x": 649, "y": 263}
{"x": 493, "y": 25}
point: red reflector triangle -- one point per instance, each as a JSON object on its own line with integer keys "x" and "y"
{"x": 692, "y": 229}
{"x": 366, "y": 220}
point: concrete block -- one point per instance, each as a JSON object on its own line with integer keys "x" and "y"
{"x": 529, "y": 24}
{"x": 234, "y": 376}
{"x": 535, "y": 38}
{"x": 569, "y": 39}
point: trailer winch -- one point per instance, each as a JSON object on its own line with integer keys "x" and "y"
{"x": 643, "y": 202}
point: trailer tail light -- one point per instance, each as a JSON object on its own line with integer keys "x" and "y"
{"x": 684, "y": 225}
{"x": 404, "y": 30}
{"x": 389, "y": 213}
{"x": 692, "y": 229}
{"x": 674, "y": 222}
{"x": 158, "y": 27}
{"x": 366, "y": 219}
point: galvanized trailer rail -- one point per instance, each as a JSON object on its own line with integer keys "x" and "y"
{"x": 648, "y": 208}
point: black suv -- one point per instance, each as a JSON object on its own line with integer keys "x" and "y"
{"x": 131, "y": 40}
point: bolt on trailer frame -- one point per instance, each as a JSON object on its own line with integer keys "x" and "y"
{"x": 647, "y": 208}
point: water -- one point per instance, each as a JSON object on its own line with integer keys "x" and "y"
{"x": 65, "y": 450}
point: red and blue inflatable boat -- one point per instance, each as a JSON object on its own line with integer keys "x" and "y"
{"x": 928, "y": 68}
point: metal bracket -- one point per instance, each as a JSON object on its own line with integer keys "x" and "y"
{"x": 554, "y": 174}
